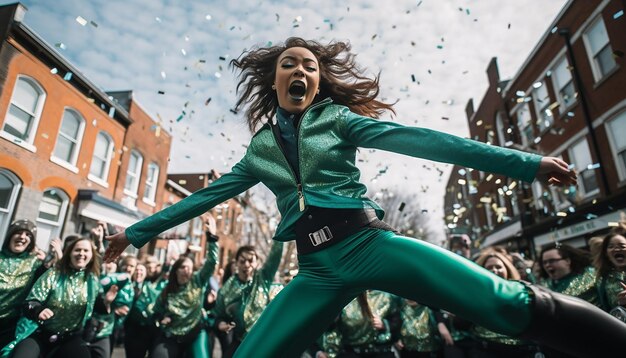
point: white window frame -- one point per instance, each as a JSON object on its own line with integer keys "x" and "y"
{"x": 581, "y": 168}
{"x": 150, "y": 190}
{"x": 522, "y": 126}
{"x": 559, "y": 87}
{"x": 71, "y": 164}
{"x": 107, "y": 160}
{"x": 595, "y": 68}
{"x": 28, "y": 143}
{"x": 541, "y": 108}
{"x": 51, "y": 226}
{"x": 134, "y": 174}
{"x": 6, "y": 213}
{"x": 615, "y": 150}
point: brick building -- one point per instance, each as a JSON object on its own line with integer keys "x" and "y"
{"x": 567, "y": 100}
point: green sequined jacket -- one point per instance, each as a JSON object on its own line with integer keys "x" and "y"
{"x": 70, "y": 297}
{"x": 352, "y": 329}
{"x": 328, "y": 138}
{"x": 184, "y": 307}
{"x": 243, "y": 302}
{"x": 17, "y": 275}
{"x": 582, "y": 285}
{"x": 124, "y": 297}
{"x": 608, "y": 288}
{"x": 419, "y": 329}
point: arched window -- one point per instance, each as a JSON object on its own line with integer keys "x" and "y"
{"x": 101, "y": 161}
{"x": 10, "y": 186}
{"x": 22, "y": 118}
{"x": 69, "y": 137}
{"x": 152, "y": 179}
{"x": 51, "y": 216}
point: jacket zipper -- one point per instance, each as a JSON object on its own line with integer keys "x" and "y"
{"x": 296, "y": 175}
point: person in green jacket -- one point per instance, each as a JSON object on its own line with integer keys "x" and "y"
{"x": 20, "y": 267}
{"x": 611, "y": 273}
{"x": 567, "y": 270}
{"x": 179, "y": 308}
{"x": 59, "y": 305}
{"x": 315, "y": 108}
{"x": 244, "y": 296}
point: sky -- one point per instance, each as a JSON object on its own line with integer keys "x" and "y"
{"x": 431, "y": 55}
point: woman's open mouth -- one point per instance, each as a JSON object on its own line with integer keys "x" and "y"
{"x": 297, "y": 90}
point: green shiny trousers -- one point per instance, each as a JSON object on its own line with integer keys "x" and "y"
{"x": 381, "y": 260}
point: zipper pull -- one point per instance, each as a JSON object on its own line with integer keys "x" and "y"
{"x": 300, "y": 197}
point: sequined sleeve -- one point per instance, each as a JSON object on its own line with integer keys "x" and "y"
{"x": 204, "y": 275}
{"x": 224, "y": 188}
{"x": 44, "y": 285}
{"x": 273, "y": 261}
{"x": 438, "y": 146}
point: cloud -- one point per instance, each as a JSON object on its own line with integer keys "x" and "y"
{"x": 445, "y": 45}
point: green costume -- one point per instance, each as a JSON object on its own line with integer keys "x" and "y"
{"x": 142, "y": 308}
{"x": 17, "y": 274}
{"x": 243, "y": 302}
{"x": 608, "y": 288}
{"x": 419, "y": 329}
{"x": 184, "y": 307}
{"x": 328, "y": 138}
{"x": 70, "y": 297}
{"x": 581, "y": 285}
{"x": 124, "y": 297}
{"x": 354, "y": 333}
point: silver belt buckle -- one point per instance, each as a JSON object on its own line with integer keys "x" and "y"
{"x": 320, "y": 236}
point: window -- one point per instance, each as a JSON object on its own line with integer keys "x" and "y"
{"x": 580, "y": 156}
{"x": 500, "y": 128}
{"x": 133, "y": 173}
{"x": 599, "y": 49}
{"x": 563, "y": 83}
{"x": 69, "y": 138}
{"x": 542, "y": 105}
{"x": 24, "y": 111}
{"x": 524, "y": 123}
{"x": 616, "y": 129}
{"x": 10, "y": 186}
{"x": 152, "y": 178}
{"x": 488, "y": 216}
{"x": 102, "y": 153}
{"x": 51, "y": 216}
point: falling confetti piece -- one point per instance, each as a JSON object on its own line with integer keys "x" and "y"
{"x": 208, "y": 17}
{"x": 182, "y": 50}
{"x": 54, "y": 71}
{"x": 618, "y": 14}
{"x": 163, "y": 74}
{"x": 402, "y": 204}
{"x": 445, "y": 118}
{"x": 218, "y": 75}
{"x": 206, "y": 103}
{"x": 93, "y": 23}
{"x": 593, "y": 166}
{"x": 413, "y": 78}
{"x": 60, "y": 45}
{"x": 68, "y": 76}
{"x": 161, "y": 92}
{"x": 81, "y": 21}
{"x": 158, "y": 19}
{"x": 508, "y": 26}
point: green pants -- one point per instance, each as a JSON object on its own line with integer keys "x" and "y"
{"x": 381, "y": 260}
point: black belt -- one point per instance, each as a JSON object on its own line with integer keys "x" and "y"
{"x": 320, "y": 228}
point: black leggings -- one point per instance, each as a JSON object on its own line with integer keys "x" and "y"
{"x": 139, "y": 340}
{"x": 37, "y": 345}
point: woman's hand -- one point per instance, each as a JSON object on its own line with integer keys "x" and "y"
{"x": 46, "y": 314}
{"x": 165, "y": 321}
{"x": 554, "y": 171}
{"x": 225, "y": 327}
{"x": 117, "y": 244}
{"x": 110, "y": 295}
{"x": 122, "y": 311}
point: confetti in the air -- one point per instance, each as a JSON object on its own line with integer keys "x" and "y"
{"x": 60, "y": 45}
{"x": 618, "y": 14}
{"x": 81, "y": 20}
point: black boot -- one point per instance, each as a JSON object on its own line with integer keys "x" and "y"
{"x": 573, "y": 326}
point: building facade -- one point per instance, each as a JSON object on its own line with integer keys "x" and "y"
{"x": 567, "y": 100}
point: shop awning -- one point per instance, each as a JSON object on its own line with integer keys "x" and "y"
{"x": 511, "y": 230}
{"x": 92, "y": 205}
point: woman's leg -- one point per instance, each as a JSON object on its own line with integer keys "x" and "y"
{"x": 101, "y": 348}
{"x": 438, "y": 278}
{"x": 297, "y": 316}
{"x": 28, "y": 348}
{"x": 72, "y": 347}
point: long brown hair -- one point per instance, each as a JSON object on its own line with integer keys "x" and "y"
{"x": 64, "y": 265}
{"x": 512, "y": 272}
{"x": 172, "y": 284}
{"x": 579, "y": 259}
{"x": 340, "y": 78}
{"x": 601, "y": 262}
